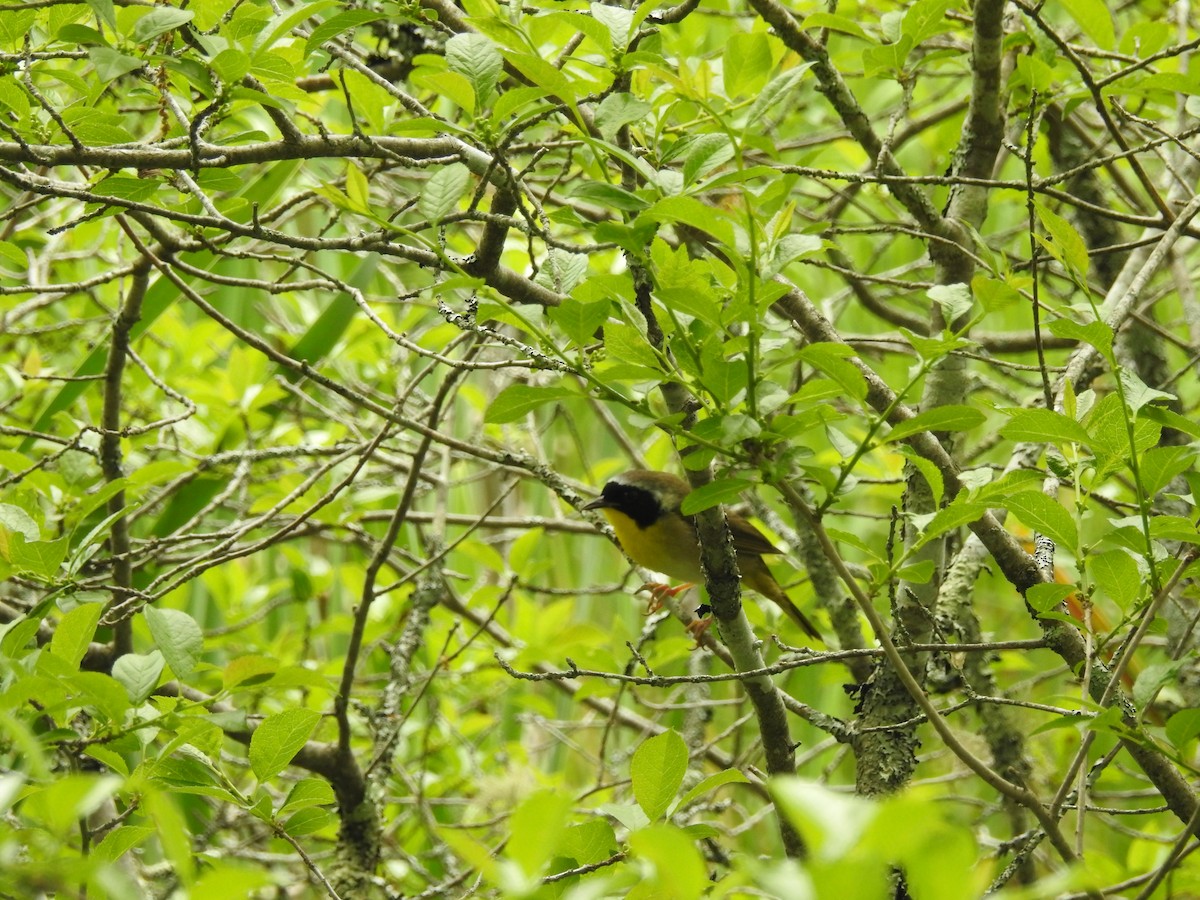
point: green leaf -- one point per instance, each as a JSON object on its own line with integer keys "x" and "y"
{"x": 518, "y": 400}
{"x": 675, "y": 867}
{"x": 105, "y": 12}
{"x": 1159, "y": 466}
{"x": 475, "y": 57}
{"x": 339, "y": 24}
{"x": 1183, "y": 727}
{"x": 309, "y": 821}
{"x": 112, "y": 64}
{"x": 1116, "y": 574}
{"x": 279, "y": 738}
{"x": 777, "y": 90}
{"x": 704, "y": 153}
{"x": 832, "y": 360}
{"x": 579, "y": 320}
{"x": 657, "y": 770}
{"x": 924, "y": 19}
{"x": 616, "y": 111}
{"x": 74, "y": 632}
{"x": 711, "y": 783}
{"x": 536, "y": 829}
{"x": 1097, "y": 334}
{"x": 956, "y": 515}
{"x": 931, "y": 473}
{"x": 17, "y": 520}
{"x": 607, "y": 196}
{"x": 1137, "y": 394}
{"x": 1043, "y": 426}
{"x": 443, "y": 190}
{"x": 723, "y": 490}
{"x": 834, "y": 22}
{"x": 1047, "y": 597}
{"x": 139, "y": 673}
{"x": 177, "y": 636}
{"x": 954, "y": 299}
{"x": 308, "y": 792}
{"x": 121, "y": 840}
{"x": 1037, "y": 511}
{"x": 691, "y": 211}
{"x": 746, "y": 63}
{"x": 40, "y": 558}
{"x": 1094, "y": 20}
{"x": 941, "y": 418}
{"x": 995, "y": 295}
{"x": 158, "y": 21}
{"x": 588, "y": 843}
{"x": 618, "y": 21}
{"x": 1065, "y": 244}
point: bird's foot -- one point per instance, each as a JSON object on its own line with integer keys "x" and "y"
{"x": 659, "y": 594}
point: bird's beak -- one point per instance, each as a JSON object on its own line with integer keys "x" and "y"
{"x": 598, "y": 503}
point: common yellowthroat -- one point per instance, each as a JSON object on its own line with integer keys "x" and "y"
{"x": 643, "y": 509}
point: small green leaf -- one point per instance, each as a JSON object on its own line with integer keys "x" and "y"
{"x": 1183, "y": 727}
{"x": 618, "y": 21}
{"x": 723, "y": 490}
{"x": 279, "y": 738}
{"x": 832, "y": 360}
{"x": 777, "y": 89}
{"x": 112, "y": 64}
{"x": 177, "y": 636}
{"x": 589, "y": 842}
{"x": 993, "y": 294}
{"x": 931, "y": 473}
{"x": 1065, "y": 244}
{"x": 40, "y": 558}
{"x": 705, "y": 153}
{"x": 518, "y": 400}
{"x": 536, "y": 829}
{"x": 74, "y": 632}
{"x": 1045, "y": 598}
{"x": 158, "y": 21}
{"x": 579, "y": 320}
{"x": 924, "y": 19}
{"x": 309, "y": 821}
{"x": 231, "y": 65}
{"x": 139, "y": 673}
{"x": 1094, "y": 20}
{"x": 711, "y": 783}
{"x": 956, "y": 515}
{"x": 443, "y": 190}
{"x": 1037, "y": 511}
{"x": 618, "y": 110}
{"x": 308, "y": 792}
{"x": 1116, "y": 574}
{"x": 339, "y": 24}
{"x": 607, "y": 196}
{"x": 746, "y": 63}
{"x": 1043, "y": 425}
{"x": 475, "y": 57}
{"x": 17, "y": 520}
{"x": 657, "y": 771}
{"x": 954, "y": 299}
{"x": 834, "y": 22}
{"x": 1160, "y": 465}
{"x": 1137, "y": 393}
{"x": 1097, "y": 334}
{"x": 941, "y": 418}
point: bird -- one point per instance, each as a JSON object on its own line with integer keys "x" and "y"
{"x": 643, "y": 508}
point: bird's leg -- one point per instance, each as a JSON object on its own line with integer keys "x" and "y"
{"x": 659, "y": 593}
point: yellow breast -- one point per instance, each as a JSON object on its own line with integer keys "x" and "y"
{"x": 667, "y": 546}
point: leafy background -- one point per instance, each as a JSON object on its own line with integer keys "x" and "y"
{"x": 321, "y": 320}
